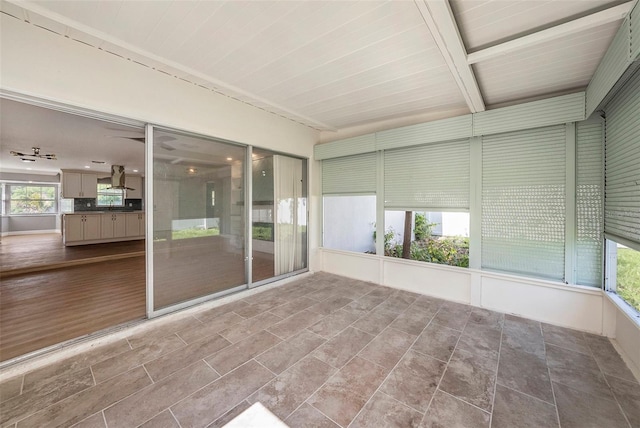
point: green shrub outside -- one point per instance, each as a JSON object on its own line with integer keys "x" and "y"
{"x": 628, "y": 276}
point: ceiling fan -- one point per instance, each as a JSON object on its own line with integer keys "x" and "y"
{"x": 26, "y": 157}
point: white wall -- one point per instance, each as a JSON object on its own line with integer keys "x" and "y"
{"x": 582, "y": 308}
{"x": 42, "y": 64}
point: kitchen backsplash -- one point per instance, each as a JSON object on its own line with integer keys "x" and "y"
{"x": 88, "y": 204}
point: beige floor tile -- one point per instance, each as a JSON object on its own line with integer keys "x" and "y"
{"x": 470, "y": 378}
{"x": 513, "y": 409}
{"x": 84, "y": 404}
{"x": 10, "y": 388}
{"x": 163, "y": 329}
{"x": 285, "y": 354}
{"x": 170, "y": 363}
{"x": 246, "y": 328}
{"x": 447, "y": 411}
{"x": 387, "y": 348}
{"x": 291, "y": 388}
{"x": 94, "y": 421}
{"x": 127, "y": 360}
{"x": 384, "y": 411}
{"x": 147, "y": 403}
{"x": 239, "y": 353}
{"x": 341, "y": 348}
{"x": 578, "y": 409}
{"x": 214, "y": 400}
{"x": 307, "y": 416}
{"x": 333, "y": 324}
{"x": 162, "y": 420}
{"x": 211, "y": 328}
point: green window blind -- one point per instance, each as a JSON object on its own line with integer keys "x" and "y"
{"x": 589, "y": 192}
{"x": 523, "y": 202}
{"x": 349, "y": 175}
{"x": 434, "y": 176}
{"x": 622, "y": 165}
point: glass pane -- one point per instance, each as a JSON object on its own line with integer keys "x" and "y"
{"x": 628, "y": 275}
{"x": 263, "y": 227}
{"x": 435, "y": 237}
{"x": 198, "y": 217}
{"x": 350, "y": 223}
{"x": 279, "y": 228}
{"x": 290, "y": 206}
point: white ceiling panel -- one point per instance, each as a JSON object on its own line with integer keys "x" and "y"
{"x": 336, "y": 64}
{"x": 483, "y": 23}
{"x": 548, "y": 68}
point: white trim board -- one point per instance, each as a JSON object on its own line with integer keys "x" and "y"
{"x": 31, "y": 232}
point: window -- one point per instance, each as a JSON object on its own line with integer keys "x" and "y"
{"x": 110, "y": 197}
{"x": 349, "y": 223}
{"x": 623, "y": 273}
{"x": 436, "y": 237}
{"x": 31, "y": 199}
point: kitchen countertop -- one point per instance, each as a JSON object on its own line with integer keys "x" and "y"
{"x": 105, "y": 212}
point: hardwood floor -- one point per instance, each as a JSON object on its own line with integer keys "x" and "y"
{"x": 42, "y": 309}
{"x": 50, "y": 293}
{"x": 22, "y": 253}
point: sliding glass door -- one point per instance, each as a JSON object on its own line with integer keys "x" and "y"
{"x": 222, "y": 217}
{"x": 198, "y": 218}
{"x": 279, "y": 215}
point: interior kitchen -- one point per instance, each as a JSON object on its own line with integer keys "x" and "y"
{"x": 72, "y": 239}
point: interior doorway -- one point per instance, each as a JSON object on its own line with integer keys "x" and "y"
{"x": 61, "y": 278}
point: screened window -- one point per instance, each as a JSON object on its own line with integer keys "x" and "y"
{"x": 624, "y": 273}
{"x": 110, "y": 197}
{"x": 349, "y": 223}
{"x": 31, "y": 199}
{"x": 434, "y": 237}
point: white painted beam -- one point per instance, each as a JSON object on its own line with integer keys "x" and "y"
{"x": 590, "y": 21}
{"x": 439, "y": 18}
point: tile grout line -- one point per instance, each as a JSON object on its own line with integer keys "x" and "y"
{"x": 338, "y": 369}
{"x": 495, "y": 382}
{"x": 606, "y": 381}
{"x": 104, "y": 418}
{"x": 404, "y": 404}
{"x": 275, "y": 375}
{"x": 465, "y": 402}
{"x": 395, "y": 365}
{"x": 92, "y": 375}
{"x": 147, "y": 372}
{"x": 22, "y": 384}
{"x": 174, "y": 417}
{"x": 553, "y": 390}
{"x": 445, "y": 368}
{"x": 525, "y": 394}
{"x": 210, "y": 366}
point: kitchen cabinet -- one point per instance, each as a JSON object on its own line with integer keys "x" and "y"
{"x": 81, "y": 227}
{"x": 79, "y": 185}
{"x": 113, "y": 225}
{"x": 135, "y": 224}
{"x": 134, "y": 182}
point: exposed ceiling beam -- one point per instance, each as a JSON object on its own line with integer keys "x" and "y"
{"x": 439, "y": 18}
{"x": 590, "y": 21}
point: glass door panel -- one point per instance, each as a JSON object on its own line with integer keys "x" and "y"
{"x": 198, "y": 217}
{"x": 262, "y": 215}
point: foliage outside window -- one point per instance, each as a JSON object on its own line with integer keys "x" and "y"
{"x": 110, "y": 197}
{"x": 32, "y": 199}
{"x": 628, "y": 275}
{"x": 428, "y": 241}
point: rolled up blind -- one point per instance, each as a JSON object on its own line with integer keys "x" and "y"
{"x": 622, "y": 165}
{"x": 589, "y": 192}
{"x": 349, "y": 175}
{"x": 434, "y": 176}
{"x": 523, "y": 202}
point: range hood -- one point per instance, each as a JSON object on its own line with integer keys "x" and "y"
{"x": 118, "y": 178}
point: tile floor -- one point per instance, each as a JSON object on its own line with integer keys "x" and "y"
{"x": 328, "y": 351}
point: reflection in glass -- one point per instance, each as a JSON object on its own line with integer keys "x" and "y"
{"x": 198, "y": 217}
{"x": 279, "y": 215}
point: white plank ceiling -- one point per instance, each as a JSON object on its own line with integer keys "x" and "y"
{"x": 334, "y": 65}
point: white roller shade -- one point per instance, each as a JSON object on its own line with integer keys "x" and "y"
{"x": 589, "y": 169}
{"x": 434, "y": 177}
{"x": 622, "y": 165}
{"x": 523, "y": 202}
{"x": 349, "y": 175}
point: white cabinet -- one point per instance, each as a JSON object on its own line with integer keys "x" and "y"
{"x": 134, "y": 182}
{"x": 81, "y": 227}
{"x": 135, "y": 224}
{"x": 79, "y": 185}
{"x": 113, "y": 225}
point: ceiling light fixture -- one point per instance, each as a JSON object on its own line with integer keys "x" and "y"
{"x": 99, "y": 162}
{"x": 191, "y": 170}
{"x": 87, "y": 166}
{"x": 229, "y": 159}
{"x": 36, "y": 154}
{"x": 135, "y": 170}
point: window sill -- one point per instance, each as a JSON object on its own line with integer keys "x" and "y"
{"x": 624, "y": 307}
